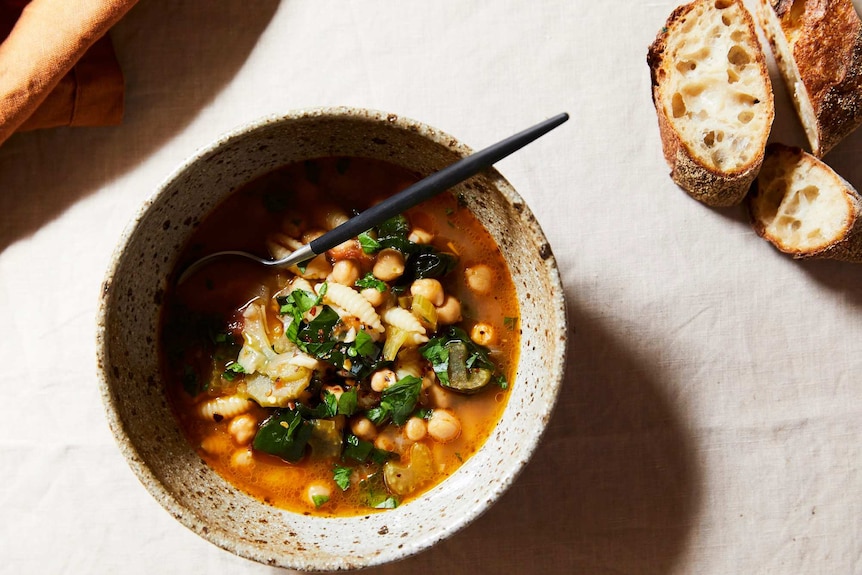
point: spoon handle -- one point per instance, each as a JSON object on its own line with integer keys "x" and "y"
{"x": 433, "y": 185}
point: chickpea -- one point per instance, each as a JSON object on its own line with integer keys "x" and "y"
{"x": 383, "y": 378}
{"x": 480, "y": 278}
{"x": 450, "y": 311}
{"x": 242, "y": 428}
{"x": 440, "y": 396}
{"x": 415, "y": 429}
{"x": 443, "y": 426}
{"x": 318, "y": 268}
{"x": 430, "y": 288}
{"x": 385, "y": 441}
{"x": 483, "y": 334}
{"x": 420, "y": 236}
{"x": 363, "y": 429}
{"x": 319, "y": 492}
{"x": 330, "y": 217}
{"x": 345, "y": 272}
{"x": 389, "y": 265}
{"x": 374, "y": 296}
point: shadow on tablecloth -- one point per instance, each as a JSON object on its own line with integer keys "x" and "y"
{"x": 612, "y": 489}
{"x": 176, "y": 57}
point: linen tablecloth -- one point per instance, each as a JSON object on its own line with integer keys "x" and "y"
{"x": 710, "y": 417}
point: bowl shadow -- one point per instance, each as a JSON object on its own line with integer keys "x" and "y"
{"x": 612, "y": 488}
{"x": 43, "y": 173}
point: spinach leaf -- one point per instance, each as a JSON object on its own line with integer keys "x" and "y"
{"x": 396, "y": 226}
{"x": 431, "y": 264}
{"x": 397, "y": 401}
{"x": 357, "y": 449}
{"x": 285, "y": 434}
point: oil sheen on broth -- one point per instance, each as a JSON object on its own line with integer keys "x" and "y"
{"x": 359, "y": 380}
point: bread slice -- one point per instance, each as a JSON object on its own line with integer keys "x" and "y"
{"x": 817, "y": 45}
{"x": 713, "y": 98}
{"x": 804, "y": 208}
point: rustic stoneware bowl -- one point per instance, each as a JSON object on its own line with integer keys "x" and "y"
{"x": 128, "y": 354}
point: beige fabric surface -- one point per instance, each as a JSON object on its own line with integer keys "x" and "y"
{"x": 711, "y": 413}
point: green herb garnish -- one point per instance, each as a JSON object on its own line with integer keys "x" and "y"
{"x": 369, "y": 281}
{"x": 231, "y": 371}
{"x": 368, "y": 244}
{"x": 341, "y": 476}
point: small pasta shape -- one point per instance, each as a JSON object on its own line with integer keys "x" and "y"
{"x": 354, "y": 304}
{"x": 301, "y": 283}
{"x": 402, "y": 319}
{"x": 220, "y": 408}
{"x": 281, "y": 245}
{"x": 302, "y": 359}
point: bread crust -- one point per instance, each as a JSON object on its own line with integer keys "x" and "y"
{"x": 848, "y": 247}
{"x": 826, "y": 44}
{"x": 714, "y": 187}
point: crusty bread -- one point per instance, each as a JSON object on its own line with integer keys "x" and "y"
{"x": 817, "y": 45}
{"x": 713, "y": 98}
{"x": 804, "y": 208}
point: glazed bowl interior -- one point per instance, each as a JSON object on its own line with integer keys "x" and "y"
{"x": 128, "y": 347}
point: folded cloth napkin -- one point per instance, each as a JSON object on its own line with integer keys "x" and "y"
{"x": 57, "y": 67}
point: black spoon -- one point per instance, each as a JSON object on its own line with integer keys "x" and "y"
{"x": 400, "y": 202}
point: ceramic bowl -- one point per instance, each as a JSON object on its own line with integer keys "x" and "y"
{"x": 132, "y": 388}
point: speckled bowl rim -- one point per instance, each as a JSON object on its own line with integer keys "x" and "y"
{"x": 556, "y": 365}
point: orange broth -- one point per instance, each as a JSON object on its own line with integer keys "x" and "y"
{"x": 213, "y": 300}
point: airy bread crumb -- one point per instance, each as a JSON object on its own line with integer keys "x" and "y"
{"x": 801, "y": 206}
{"x": 713, "y": 98}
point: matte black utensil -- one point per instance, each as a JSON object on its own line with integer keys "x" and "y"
{"x": 400, "y": 202}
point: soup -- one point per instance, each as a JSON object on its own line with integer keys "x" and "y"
{"x": 358, "y": 380}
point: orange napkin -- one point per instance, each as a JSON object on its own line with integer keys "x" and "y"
{"x": 57, "y": 67}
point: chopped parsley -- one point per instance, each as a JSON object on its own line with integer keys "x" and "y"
{"x": 368, "y": 244}
{"x": 369, "y": 281}
{"x": 319, "y": 499}
{"x": 341, "y": 476}
{"x": 231, "y": 371}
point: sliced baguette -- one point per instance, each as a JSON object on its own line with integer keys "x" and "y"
{"x": 713, "y": 99}
{"x": 801, "y": 206}
{"x": 817, "y": 45}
